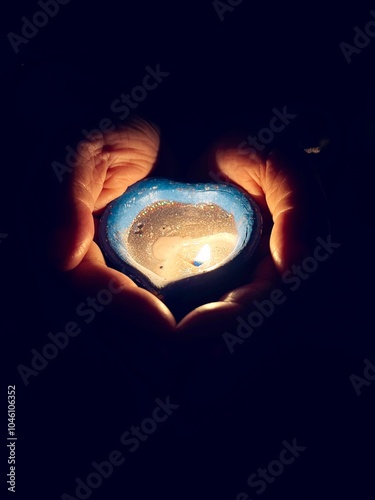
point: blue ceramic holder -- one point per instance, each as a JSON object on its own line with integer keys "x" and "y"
{"x": 120, "y": 215}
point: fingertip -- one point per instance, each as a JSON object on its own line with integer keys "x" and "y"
{"x": 207, "y": 320}
{"x": 64, "y": 254}
{"x": 291, "y": 255}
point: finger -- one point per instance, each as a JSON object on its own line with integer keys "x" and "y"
{"x": 104, "y": 167}
{"x": 208, "y": 320}
{"x": 224, "y": 161}
{"x": 287, "y": 199}
{"x": 222, "y": 316}
{"x": 138, "y": 308}
{"x": 264, "y": 279}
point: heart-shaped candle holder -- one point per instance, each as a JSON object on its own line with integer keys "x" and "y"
{"x": 170, "y": 236}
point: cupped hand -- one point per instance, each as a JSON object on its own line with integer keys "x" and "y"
{"x": 281, "y": 195}
{"x": 104, "y": 167}
{"x": 107, "y": 165}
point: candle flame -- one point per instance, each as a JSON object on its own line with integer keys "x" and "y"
{"x": 203, "y": 255}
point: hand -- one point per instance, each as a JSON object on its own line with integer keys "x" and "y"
{"x": 104, "y": 168}
{"x": 107, "y": 166}
{"x": 282, "y": 197}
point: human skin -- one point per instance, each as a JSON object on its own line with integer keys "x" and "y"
{"x": 108, "y": 165}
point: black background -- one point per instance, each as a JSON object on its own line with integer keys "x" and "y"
{"x": 291, "y": 379}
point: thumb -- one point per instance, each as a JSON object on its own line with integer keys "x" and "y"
{"x": 70, "y": 240}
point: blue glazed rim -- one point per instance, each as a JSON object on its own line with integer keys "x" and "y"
{"x": 120, "y": 214}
